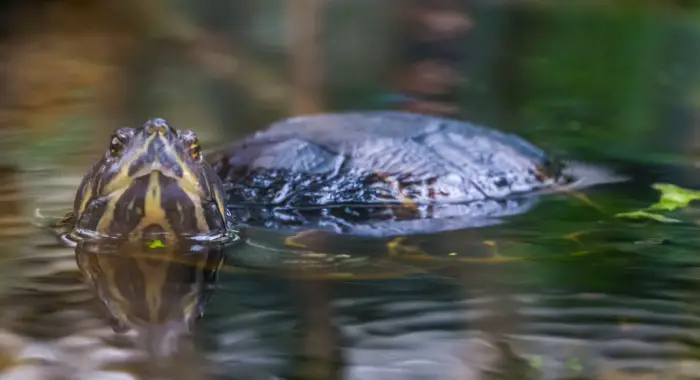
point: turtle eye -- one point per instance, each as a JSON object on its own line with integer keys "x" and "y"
{"x": 191, "y": 142}
{"x": 195, "y": 150}
{"x": 115, "y": 146}
{"x": 119, "y": 140}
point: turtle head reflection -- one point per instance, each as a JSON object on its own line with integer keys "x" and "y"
{"x": 157, "y": 290}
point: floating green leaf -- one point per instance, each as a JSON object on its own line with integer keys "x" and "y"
{"x": 673, "y": 197}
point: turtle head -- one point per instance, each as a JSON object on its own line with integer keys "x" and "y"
{"x": 151, "y": 179}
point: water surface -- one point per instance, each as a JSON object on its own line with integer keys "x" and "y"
{"x": 564, "y": 291}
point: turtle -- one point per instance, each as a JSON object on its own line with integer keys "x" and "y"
{"x": 373, "y": 173}
{"x": 386, "y": 173}
{"x": 152, "y": 183}
{"x": 149, "y": 225}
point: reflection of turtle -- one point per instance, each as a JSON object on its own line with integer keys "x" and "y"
{"x": 158, "y": 290}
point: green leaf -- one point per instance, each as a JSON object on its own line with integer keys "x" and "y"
{"x": 156, "y": 244}
{"x": 673, "y": 197}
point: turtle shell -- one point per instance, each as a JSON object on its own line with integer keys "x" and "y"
{"x": 386, "y": 172}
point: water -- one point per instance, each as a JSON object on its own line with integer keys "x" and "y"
{"x": 564, "y": 291}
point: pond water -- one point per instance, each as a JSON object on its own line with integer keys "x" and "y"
{"x": 567, "y": 290}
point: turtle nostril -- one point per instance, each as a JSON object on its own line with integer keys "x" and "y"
{"x": 157, "y": 126}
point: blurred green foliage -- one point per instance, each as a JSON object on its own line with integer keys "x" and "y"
{"x": 600, "y": 83}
